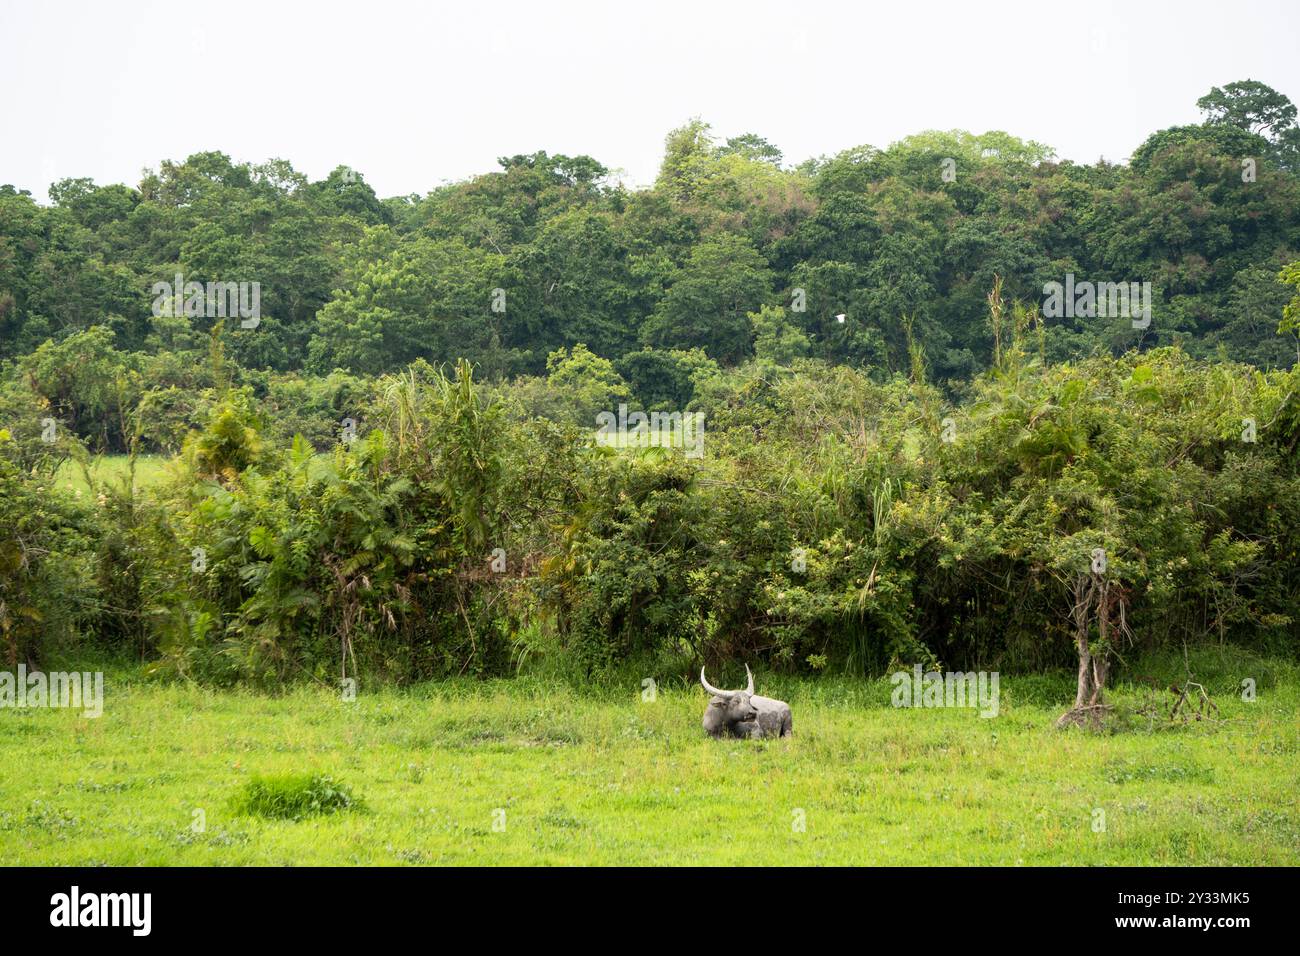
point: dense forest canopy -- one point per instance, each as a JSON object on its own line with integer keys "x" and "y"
{"x": 730, "y": 252}
{"x": 383, "y": 455}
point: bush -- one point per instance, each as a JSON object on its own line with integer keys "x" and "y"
{"x": 47, "y": 591}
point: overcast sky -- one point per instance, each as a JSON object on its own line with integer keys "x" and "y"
{"x": 415, "y": 94}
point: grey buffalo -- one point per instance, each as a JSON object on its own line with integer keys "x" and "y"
{"x": 742, "y": 713}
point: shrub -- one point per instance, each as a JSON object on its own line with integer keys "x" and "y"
{"x": 46, "y": 584}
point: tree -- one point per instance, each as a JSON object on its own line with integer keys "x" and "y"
{"x": 578, "y": 287}
{"x": 664, "y": 379}
{"x": 425, "y": 299}
{"x": 751, "y": 146}
{"x": 1290, "y": 324}
{"x": 709, "y": 298}
{"x": 1249, "y": 105}
{"x": 90, "y": 386}
{"x": 1250, "y": 330}
{"x": 584, "y": 384}
{"x": 688, "y": 157}
{"x": 775, "y": 339}
{"x": 1224, "y": 138}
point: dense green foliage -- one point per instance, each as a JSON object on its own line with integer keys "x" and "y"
{"x": 729, "y": 252}
{"x": 394, "y": 472}
{"x": 828, "y": 525}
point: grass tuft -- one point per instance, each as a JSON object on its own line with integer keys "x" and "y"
{"x": 294, "y": 796}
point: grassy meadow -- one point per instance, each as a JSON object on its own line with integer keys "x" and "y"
{"x": 114, "y": 469}
{"x": 604, "y": 777}
{"x": 150, "y": 470}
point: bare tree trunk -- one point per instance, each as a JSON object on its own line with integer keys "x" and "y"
{"x": 1091, "y": 594}
{"x": 1100, "y": 661}
{"x": 1082, "y": 604}
{"x": 1086, "y": 692}
{"x": 1100, "y": 669}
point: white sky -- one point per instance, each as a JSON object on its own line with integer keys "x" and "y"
{"x": 414, "y": 94}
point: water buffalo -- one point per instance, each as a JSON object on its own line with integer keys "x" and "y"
{"x": 742, "y": 713}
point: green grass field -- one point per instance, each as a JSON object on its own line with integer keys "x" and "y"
{"x": 149, "y": 470}
{"x": 605, "y": 778}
